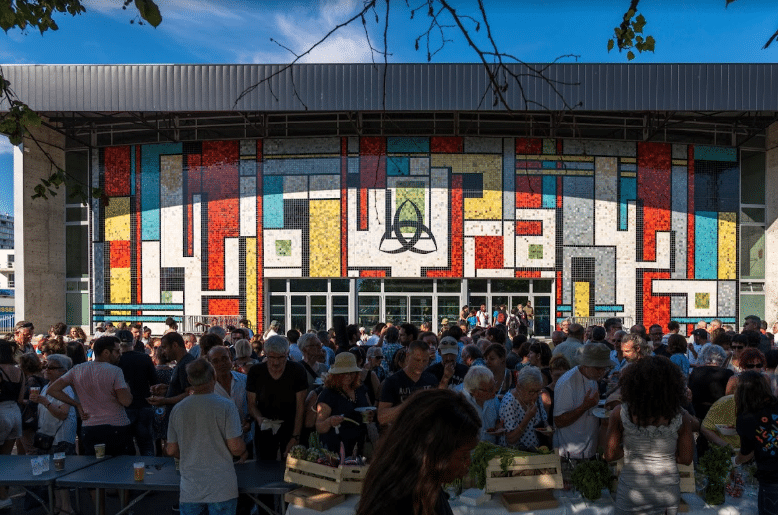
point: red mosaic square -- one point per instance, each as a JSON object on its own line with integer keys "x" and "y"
{"x": 529, "y": 228}
{"x": 443, "y": 145}
{"x": 138, "y": 224}
{"x": 224, "y": 307}
{"x": 488, "y": 252}
{"x": 117, "y": 171}
{"x": 527, "y": 274}
{"x": 529, "y": 191}
{"x": 220, "y": 183}
{"x": 656, "y": 310}
{"x": 120, "y": 254}
{"x": 529, "y": 146}
{"x": 654, "y": 180}
{"x": 372, "y": 273}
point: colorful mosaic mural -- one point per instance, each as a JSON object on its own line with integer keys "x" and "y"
{"x": 647, "y": 230}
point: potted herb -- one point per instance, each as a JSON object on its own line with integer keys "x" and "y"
{"x": 715, "y": 465}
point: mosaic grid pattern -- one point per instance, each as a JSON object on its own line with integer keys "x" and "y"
{"x": 641, "y": 229}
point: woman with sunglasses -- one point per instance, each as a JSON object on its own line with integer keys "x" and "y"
{"x": 739, "y": 343}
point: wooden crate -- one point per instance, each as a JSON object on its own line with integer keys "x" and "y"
{"x": 307, "y": 497}
{"x": 529, "y": 501}
{"x": 340, "y": 480}
{"x": 530, "y": 472}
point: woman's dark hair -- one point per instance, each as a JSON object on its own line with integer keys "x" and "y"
{"x": 721, "y": 338}
{"x": 498, "y": 349}
{"x": 654, "y": 388}
{"x": 207, "y": 342}
{"x": 559, "y": 362}
{"x": 740, "y": 338}
{"x": 544, "y": 350}
{"x": 392, "y": 334}
{"x": 753, "y": 393}
{"x": 398, "y": 360}
{"x": 412, "y": 458}
{"x": 455, "y": 332}
{"x": 751, "y": 354}
{"x": 7, "y": 349}
{"x": 160, "y": 355}
{"x": 359, "y": 354}
{"x": 80, "y": 334}
{"x": 59, "y": 329}
{"x": 30, "y": 364}
{"x": 76, "y": 352}
{"x": 676, "y": 344}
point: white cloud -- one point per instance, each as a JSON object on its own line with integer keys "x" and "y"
{"x": 5, "y": 145}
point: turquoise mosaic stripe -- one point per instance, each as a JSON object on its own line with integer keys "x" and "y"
{"x": 724, "y": 320}
{"x": 715, "y": 153}
{"x": 146, "y": 307}
{"x": 273, "y": 202}
{"x": 549, "y": 192}
{"x": 409, "y": 145}
{"x": 628, "y": 190}
{"x": 149, "y": 178}
{"x": 608, "y": 309}
{"x": 706, "y": 234}
{"x": 129, "y": 318}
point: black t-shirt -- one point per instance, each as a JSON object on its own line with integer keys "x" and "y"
{"x": 139, "y": 374}
{"x": 759, "y": 434}
{"x": 277, "y": 398}
{"x": 179, "y": 382}
{"x": 437, "y": 369}
{"x": 399, "y": 386}
{"x": 661, "y": 350}
{"x": 708, "y": 385}
{"x": 350, "y": 434}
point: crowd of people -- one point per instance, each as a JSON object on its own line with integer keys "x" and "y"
{"x": 265, "y": 393}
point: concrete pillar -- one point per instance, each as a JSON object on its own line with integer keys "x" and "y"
{"x": 771, "y": 225}
{"x": 39, "y": 231}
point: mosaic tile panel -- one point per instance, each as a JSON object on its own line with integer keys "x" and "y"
{"x": 647, "y": 230}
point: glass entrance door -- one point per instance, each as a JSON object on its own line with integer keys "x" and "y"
{"x": 542, "y": 306}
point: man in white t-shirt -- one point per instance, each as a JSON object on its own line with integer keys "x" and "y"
{"x": 482, "y": 316}
{"x": 575, "y": 395}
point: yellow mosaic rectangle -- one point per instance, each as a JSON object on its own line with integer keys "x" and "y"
{"x": 727, "y": 245}
{"x": 489, "y": 206}
{"x": 121, "y": 285}
{"x": 558, "y": 171}
{"x": 680, "y": 162}
{"x": 324, "y": 230}
{"x": 581, "y": 300}
{"x": 628, "y": 174}
{"x": 117, "y": 219}
{"x": 628, "y": 159}
{"x": 251, "y": 280}
{"x": 171, "y": 173}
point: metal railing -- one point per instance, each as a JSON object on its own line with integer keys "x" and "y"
{"x": 626, "y": 322}
{"x": 7, "y": 323}
{"x": 200, "y": 323}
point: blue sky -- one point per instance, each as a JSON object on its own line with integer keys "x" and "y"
{"x": 239, "y": 31}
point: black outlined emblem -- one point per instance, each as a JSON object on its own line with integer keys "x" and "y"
{"x": 421, "y": 236}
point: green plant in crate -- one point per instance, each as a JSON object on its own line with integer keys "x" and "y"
{"x": 715, "y": 464}
{"x": 590, "y": 477}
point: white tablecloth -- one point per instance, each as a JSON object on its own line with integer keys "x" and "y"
{"x": 569, "y": 503}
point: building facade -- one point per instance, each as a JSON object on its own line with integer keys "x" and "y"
{"x": 590, "y": 218}
{"x": 6, "y": 231}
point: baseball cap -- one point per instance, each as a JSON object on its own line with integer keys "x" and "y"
{"x": 448, "y": 345}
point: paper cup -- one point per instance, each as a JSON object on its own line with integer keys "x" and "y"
{"x": 100, "y": 450}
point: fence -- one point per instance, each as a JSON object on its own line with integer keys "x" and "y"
{"x": 626, "y": 322}
{"x": 201, "y": 323}
{"x": 7, "y": 323}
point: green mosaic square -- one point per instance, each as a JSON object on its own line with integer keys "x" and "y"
{"x": 284, "y": 248}
{"x": 412, "y": 191}
{"x": 535, "y": 252}
{"x": 702, "y": 300}
{"x": 167, "y": 297}
{"x": 549, "y": 146}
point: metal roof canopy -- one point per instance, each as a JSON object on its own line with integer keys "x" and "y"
{"x": 723, "y": 104}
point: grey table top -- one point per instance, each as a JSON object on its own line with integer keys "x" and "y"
{"x": 17, "y": 470}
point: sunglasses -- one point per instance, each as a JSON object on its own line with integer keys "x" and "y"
{"x": 749, "y": 366}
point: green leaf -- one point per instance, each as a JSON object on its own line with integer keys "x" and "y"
{"x": 639, "y": 23}
{"x": 630, "y": 55}
{"x": 610, "y": 45}
{"x": 149, "y": 11}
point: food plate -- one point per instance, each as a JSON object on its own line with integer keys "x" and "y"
{"x": 726, "y": 430}
{"x": 545, "y": 430}
{"x": 601, "y": 412}
{"x": 492, "y": 431}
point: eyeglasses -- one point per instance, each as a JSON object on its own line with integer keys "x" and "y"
{"x": 749, "y": 366}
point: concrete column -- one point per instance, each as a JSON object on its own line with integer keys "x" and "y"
{"x": 39, "y": 231}
{"x": 771, "y": 225}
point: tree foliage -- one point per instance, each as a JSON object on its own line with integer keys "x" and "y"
{"x": 19, "y": 118}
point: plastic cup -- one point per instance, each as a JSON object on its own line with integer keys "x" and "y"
{"x": 100, "y": 450}
{"x": 35, "y": 389}
{"x": 140, "y": 469}
{"x": 178, "y": 463}
{"x": 59, "y": 461}
{"x": 46, "y": 460}
{"x": 37, "y": 465}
